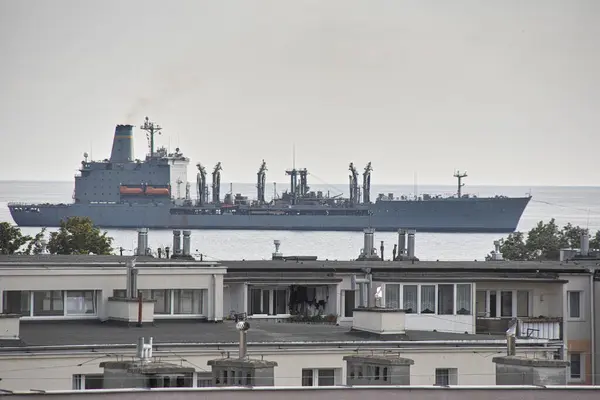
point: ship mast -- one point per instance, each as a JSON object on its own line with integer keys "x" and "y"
{"x": 459, "y": 176}
{"x": 216, "y": 183}
{"x": 261, "y": 182}
{"x": 151, "y": 128}
{"x": 353, "y": 184}
{"x": 367, "y": 184}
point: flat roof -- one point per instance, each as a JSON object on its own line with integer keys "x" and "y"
{"x": 78, "y": 260}
{"x": 95, "y": 333}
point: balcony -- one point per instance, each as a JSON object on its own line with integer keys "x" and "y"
{"x": 550, "y": 328}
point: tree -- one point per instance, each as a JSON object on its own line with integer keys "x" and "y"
{"x": 36, "y": 244}
{"x": 544, "y": 242}
{"x": 78, "y": 235}
{"x": 11, "y": 239}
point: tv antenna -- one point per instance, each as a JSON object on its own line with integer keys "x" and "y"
{"x": 151, "y": 128}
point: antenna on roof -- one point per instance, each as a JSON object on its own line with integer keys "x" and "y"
{"x": 152, "y": 129}
{"x": 459, "y": 176}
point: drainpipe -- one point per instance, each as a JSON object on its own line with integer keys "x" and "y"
{"x": 593, "y": 324}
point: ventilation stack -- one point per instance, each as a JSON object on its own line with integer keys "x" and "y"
{"x": 142, "y": 246}
{"x": 410, "y": 251}
{"x": 585, "y": 244}
{"x": 176, "y": 243}
{"x": 401, "y": 244}
{"x": 369, "y": 253}
{"x": 122, "y": 149}
{"x": 187, "y": 244}
{"x": 242, "y": 371}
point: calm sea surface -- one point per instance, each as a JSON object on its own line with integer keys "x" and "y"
{"x": 578, "y": 205}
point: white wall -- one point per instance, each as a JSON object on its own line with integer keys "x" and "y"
{"x": 55, "y": 371}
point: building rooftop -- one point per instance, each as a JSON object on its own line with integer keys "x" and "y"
{"x": 78, "y": 260}
{"x": 96, "y": 333}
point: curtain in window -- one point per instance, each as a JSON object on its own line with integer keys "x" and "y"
{"x": 392, "y": 295}
{"x": 410, "y": 299}
{"x": 463, "y": 299}
{"x": 428, "y": 299}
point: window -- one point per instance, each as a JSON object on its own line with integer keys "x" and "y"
{"x": 177, "y": 301}
{"x": 88, "y": 382}
{"x": 463, "y": 299}
{"x": 318, "y": 377}
{"x": 267, "y": 301}
{"x": 503, "y": 303}
{"x": 445, "y": 299}
{"x": 81, "y": 302}
{"x": 392, "y": 295}
{"x": 446, "y": 376}
{"x": 574, "y": 304}
{"x": 428, "y": 299}
{"x": 50, "y": 303}
{"x": 409, "y": 299}
{"x": 576, "y": 368}
{"x": 350, "y": 302}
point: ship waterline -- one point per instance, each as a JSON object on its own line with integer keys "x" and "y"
{"x": 124, "y": 192}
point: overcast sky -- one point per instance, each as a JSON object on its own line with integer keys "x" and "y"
{"x": 508, "y": 90}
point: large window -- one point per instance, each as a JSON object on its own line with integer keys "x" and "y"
{"x": 430, "y": 298}
{"x": 318, "y": 377}
{"x": 349, "y": 302}
{"x": 174, "y": 301}
{"x": 574, "y": 304}
{"x": 503, "y": 303}
{"x": 265, "y": 301}
{"x": 50, "y": 303}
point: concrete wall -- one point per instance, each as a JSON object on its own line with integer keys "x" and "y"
{"x": 381, "y": 393}
{"x": 55, "y": 371}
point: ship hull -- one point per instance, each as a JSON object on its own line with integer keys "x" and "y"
{"x": 474, "y": 215}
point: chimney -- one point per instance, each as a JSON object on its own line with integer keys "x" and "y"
{"x": 276, "y": 255}
{"x": 368, "y": 245}
{"x": 366, "y": 297}
{"x": 585, "y": 244}
{"x": 401, "y": 243}
{"x": 143, "y": 350}
{"x": 411, "y": 244}
{"x": 131, "y": 279}
{"x": 122, "y": 149}
{"x": 511, "y": 339}
{"x": 381, "y": 248}
{"x": 243, "y": 327}
{"x": 142, "y": 247}
{"x": 176, "y": 243}
{"x": 186, "y": 243}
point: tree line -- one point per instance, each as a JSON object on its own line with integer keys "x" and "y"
{"x": 76, "y": 235}
{"x": 544, "y": 241}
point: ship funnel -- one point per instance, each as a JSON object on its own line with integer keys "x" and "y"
{"x": 401, "y": 242}
{"x": 122, "y": 149}
{"x": 176, "y": 243}
{"x": 142, "y": 245}
{"x": 186, "y": 243}
{"x": 585, "y": 244}
{"x": 411, "y": 244}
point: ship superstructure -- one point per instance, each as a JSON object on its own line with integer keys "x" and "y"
{"x": 124, "y": 192}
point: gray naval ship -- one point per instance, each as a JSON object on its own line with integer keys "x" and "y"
{"x": 123, "y": 192}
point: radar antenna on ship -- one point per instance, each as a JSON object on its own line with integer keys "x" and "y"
{"x": 151, "y": 128}
{"x": 460, "y": 176}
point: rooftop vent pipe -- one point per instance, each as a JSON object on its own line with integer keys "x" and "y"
{"x": 243, "y": 327}
{"x": 131, "y": 291}
{"x": 176, "y": 242}
{"x": 585, "y": 244}
{"x": 144, "y": 350}
{"x": 142, "y": 247}
{"x": 411, "y": 244}
{"x": 368, "y": 248}
{"x": 511, "y": 344}
{"x": 401, "y": 242}
{"x": 187, "y": 243}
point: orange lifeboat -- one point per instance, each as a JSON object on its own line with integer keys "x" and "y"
{"x": 130, "y": 190}
{"x": 156, "y": 191}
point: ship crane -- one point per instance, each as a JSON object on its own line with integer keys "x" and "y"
{"x": 460, "y": 176}
{"x": 201, "y": 185}
{"x": 353, "y": 184}
{"x": 261, "y": 182}
{"x": 151, "y": 128}
{"x": 216, "y": 183}
{"x": 367, "y": 183}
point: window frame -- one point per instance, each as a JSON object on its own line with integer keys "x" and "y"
{"x": 400, "y": 288}
{"x": 271, "y": 292}
{"x": 581, "y": 377}
{"x": 31, "y": 315}
{"x": 581, "y": 305}
{"x": 497, "y": 305}
{"x": 314, "y": 377}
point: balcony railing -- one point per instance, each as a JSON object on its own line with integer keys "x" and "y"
{"x": 527, "y": 327}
